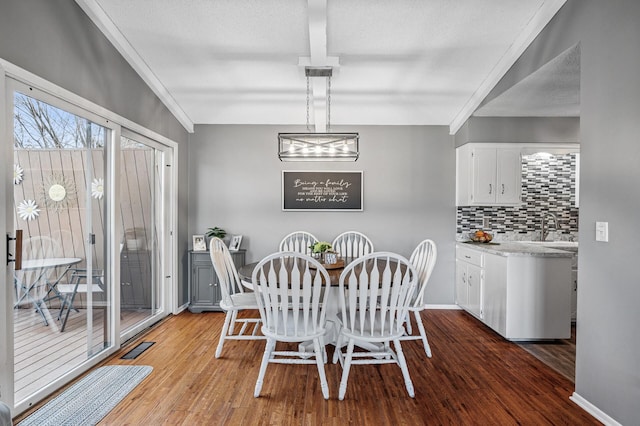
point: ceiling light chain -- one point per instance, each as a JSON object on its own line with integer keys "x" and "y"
{"x": 308, "y": 126}
{"x": 313, "y": 146}
{"x": 328, "y": 104}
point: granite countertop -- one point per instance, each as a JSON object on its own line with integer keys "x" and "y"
{"x": 518, "y": 248}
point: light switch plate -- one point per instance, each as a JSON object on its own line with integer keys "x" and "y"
{"x": 602, "y": 231}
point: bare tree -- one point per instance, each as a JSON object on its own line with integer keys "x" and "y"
{"x": 40, "y": 125}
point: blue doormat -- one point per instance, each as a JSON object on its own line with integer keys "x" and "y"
{"x": 90, "y": 399}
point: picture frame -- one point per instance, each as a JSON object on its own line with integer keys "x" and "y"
{"x": 199, "y": 243}
{"x": 234, "y": 245}
{"x": 322, "y": 190}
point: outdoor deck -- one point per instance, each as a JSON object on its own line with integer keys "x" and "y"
{"x": 43, "y": 353}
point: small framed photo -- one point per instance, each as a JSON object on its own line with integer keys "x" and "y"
{"x": 234, "y": 245}
{"x": 199, "y": 243}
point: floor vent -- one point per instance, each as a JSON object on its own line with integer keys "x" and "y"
{"x": 138, "y": 350}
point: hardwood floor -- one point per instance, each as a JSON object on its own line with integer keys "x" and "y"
{"x": 559, "y": 355}
{"x": 474, "y": 377}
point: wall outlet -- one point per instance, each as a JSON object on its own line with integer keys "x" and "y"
{"x": 602, "y": 231}
{"x": 485, "y": 222}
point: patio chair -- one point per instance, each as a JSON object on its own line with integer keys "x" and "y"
{"x": 33, "y": 282}
{"x": 78, "y": 283}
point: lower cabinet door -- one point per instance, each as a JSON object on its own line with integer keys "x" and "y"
{"x": 462, "y": 288}
{"x": 203, "y": 290}
{"x": 474, "y": 281}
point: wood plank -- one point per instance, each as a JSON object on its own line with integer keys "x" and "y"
{"x": 42, "y": 353}
{"x": 474, "y": 377}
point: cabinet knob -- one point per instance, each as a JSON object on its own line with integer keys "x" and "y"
{"x": 210, "y": 284}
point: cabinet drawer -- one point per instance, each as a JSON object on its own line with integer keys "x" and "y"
{"x": 473, "y": 257}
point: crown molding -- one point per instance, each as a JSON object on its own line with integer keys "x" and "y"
{"x": 535, "y": 26}
{"x": 122, "y": 45}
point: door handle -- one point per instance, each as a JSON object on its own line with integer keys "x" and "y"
{"x": 18, "y": 246}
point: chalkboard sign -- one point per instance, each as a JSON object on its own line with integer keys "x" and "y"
{"x": 319, "y": 190}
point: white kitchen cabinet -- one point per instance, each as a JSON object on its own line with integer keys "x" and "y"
{"x": 521, "y": 297}
{"x": 469, "y": 280}
{"x": 488, "y": 175}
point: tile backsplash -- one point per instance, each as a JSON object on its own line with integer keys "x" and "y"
{"x": 548, "y": 185}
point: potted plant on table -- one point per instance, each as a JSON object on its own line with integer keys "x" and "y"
{"x": 320, "y": 249}
{"x": 216, "y": 232}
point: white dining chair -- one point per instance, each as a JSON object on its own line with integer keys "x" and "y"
{"x": 352, "y": 244}
{"x": 375, "y": 292}
{"x": 423, "y": 260}
{"x": 299, "y": 242}
{"x": 234, "y": 299}
{"x": 292, "y": 308}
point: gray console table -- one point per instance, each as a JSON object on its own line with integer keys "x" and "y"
{"x": 204, "y": 287}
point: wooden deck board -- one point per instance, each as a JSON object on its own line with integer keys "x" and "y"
{"x": 42, "y": 353}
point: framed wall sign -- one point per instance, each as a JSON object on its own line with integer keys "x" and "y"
{"x": 321, "y": 190}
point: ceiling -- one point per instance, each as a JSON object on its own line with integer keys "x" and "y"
{"x": 553, "y": 90}
{"x": 394, "y": 62}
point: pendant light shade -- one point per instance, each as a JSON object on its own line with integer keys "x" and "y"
{"x": 318, "y": 146}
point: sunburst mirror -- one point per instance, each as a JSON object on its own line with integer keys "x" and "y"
{"x": 58, "y": 192}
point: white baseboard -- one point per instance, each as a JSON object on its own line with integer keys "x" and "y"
{"x": 454, "y": 307}
{"x": 593, "y": 410}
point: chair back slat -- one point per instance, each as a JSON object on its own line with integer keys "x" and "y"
{"x": 352, "y": 244}
{"x": 289, "y": 292}
{"x": 225, "y": 270}
{"x": 423, "y": 260}
{"x": 299, "y": 242}
{"x": 375, "y": 291}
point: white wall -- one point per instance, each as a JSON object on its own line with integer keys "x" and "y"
{"x": 409, "y": 191}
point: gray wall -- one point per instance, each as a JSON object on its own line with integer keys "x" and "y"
{"x": 607, "y": 367}
{"x": 409, "y": 191}
{"x": 58, "y": 42}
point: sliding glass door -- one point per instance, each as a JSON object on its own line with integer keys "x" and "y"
{"x": 63, "y": 293}
{"x": 143, "y": 188}
{"x": 89, "y": 210}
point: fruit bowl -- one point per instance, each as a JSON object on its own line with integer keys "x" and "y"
{"x": 481, "y": 237}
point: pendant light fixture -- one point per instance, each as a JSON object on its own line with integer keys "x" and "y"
{"x": 318, "y": 146}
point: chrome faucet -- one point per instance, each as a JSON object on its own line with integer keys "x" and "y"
{"x": 544, "y": 229}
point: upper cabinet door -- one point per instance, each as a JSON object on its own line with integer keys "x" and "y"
{"x": 484, "y": 176}
{"x": 509, "y": 176}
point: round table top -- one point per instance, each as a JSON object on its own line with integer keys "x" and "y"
{"x": 50, "y": 262}
{"x": 246, "y": 271}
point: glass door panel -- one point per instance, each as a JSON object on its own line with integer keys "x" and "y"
{"x": 141, "y": 194}
{"x": 62, "y": 305}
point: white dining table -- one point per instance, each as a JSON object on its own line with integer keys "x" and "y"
{"x": 42, "y": 265}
